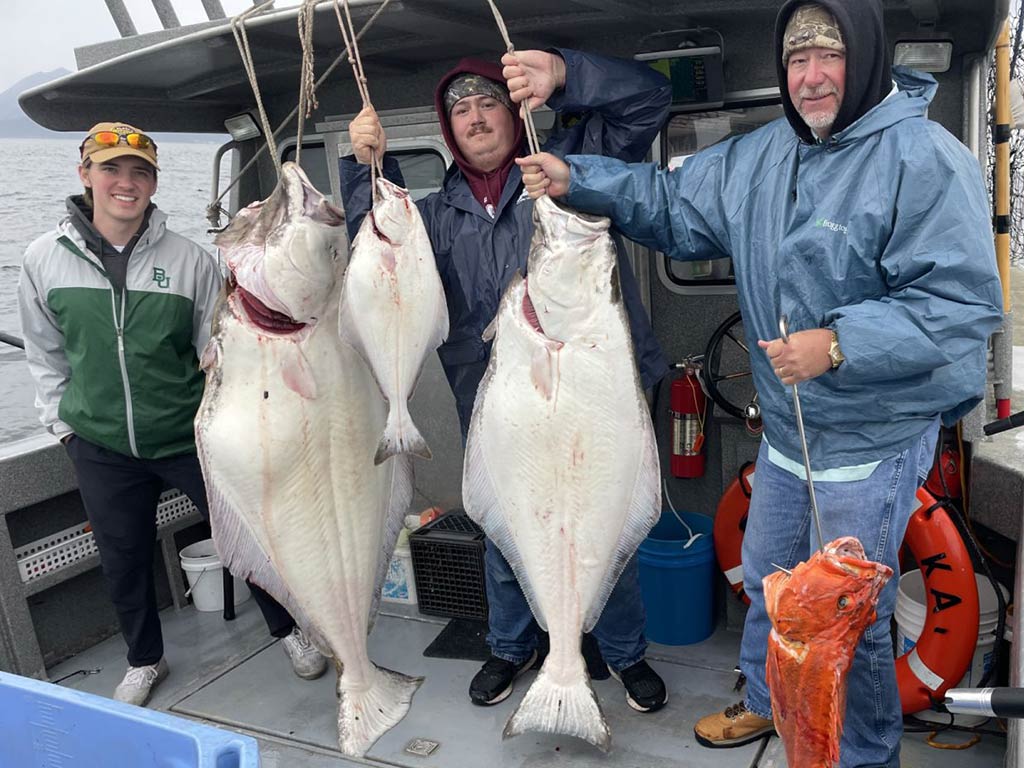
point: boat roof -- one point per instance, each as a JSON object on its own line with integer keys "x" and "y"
{"x": 191, "y": 79}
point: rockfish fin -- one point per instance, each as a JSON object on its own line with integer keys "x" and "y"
{"x": 298, "y": 374}
{"x": 401, "y": 483}
{"x": 364, "y": 715}
{"x": 401, "y": 436}
{"x": 573, "y": 710}
{"x": 243, "y": 555}
{"x": 644, "y": 511}
{"x": 484, "y": 508}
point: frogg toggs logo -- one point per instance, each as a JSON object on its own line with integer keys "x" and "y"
{"x": 161, "y": 278}
{"x": 826, "y": 224}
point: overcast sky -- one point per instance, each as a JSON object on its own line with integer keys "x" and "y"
{"x": 40, "y": 35}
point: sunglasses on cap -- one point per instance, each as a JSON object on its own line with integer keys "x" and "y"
{"x": 112, "y": 139}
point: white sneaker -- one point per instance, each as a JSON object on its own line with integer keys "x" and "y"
{"x": 139, "y": 682}
{"x": 307, "y": 662}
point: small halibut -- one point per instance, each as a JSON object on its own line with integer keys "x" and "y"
{"x": 393, "y": 309}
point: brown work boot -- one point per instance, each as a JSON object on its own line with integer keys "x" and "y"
{"x": 734, "y": 727}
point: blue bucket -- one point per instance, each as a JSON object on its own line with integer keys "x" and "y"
{"x": 678, "y": 585}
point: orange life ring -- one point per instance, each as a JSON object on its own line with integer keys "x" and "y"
{"x": 730, "y": 523}
{"x": 946, "y": 646}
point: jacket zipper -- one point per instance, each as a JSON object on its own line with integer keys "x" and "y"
{"x": 119, "y": 327}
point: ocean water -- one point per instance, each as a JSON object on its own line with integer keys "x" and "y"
{"x": 38, "y": 176}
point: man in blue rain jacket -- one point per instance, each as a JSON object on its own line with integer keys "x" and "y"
{"x": 867, "y": 225}
{"x": 480, "y": 226}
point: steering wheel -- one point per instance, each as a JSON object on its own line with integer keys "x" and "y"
{"x": 726, "y": 371}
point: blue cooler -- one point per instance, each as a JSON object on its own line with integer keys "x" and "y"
{"x": 678, "y": 585}
{"x": 45, "y": 724}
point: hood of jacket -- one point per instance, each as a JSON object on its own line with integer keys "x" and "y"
{"x": 484, "y": 185}
{"x": 868, "y": 63}
{"x": 79, "y": 218}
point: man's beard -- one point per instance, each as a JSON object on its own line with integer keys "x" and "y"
{"x": 821, "y": 119}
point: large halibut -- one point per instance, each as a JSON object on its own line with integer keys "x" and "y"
{"x": 287, "y": 432}
{"x": 561, "y": 463}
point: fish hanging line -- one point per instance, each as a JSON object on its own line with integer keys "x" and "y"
{"x": 214, "y": 210}
{"x": 531, "y": 129}
{"x": 348, "y": 33}
{"x": 242, "y": 41}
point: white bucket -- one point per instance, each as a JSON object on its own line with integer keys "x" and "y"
{"x": 911, "y": 607}
{"x": 399, "y": 584}
{"x": 203, "y": 570}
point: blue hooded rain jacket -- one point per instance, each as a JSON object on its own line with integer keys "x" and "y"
{"x": 881, "y": 233}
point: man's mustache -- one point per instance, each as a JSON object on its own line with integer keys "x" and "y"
{"x": 818, "y": 93}
{"x": 479, "y": 129}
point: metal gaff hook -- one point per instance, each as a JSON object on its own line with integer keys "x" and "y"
{"x": 784, "y": 332}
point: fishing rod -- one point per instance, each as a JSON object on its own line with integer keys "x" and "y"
{"x": 1014, "y": 420}
{"x": 14, "y": 341}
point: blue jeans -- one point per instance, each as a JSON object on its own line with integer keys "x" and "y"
{"x": 780, "y": 530}
{"x": 513, "y": 631}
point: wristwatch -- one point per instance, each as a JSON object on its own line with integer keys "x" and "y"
{"x": 835, "y": 354}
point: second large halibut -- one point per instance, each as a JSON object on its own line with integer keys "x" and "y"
{"x": 561, "y": 463}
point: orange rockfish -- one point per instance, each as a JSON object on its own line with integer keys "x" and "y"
{"x": 818, "y": 612}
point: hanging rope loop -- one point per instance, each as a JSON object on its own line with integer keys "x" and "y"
{"x": 532, "y": 139}
{"x": 348, "y": 34}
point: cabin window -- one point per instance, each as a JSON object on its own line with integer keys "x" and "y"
{"x": 314, "y": 162}
{"x": 422, "y": 169}
{"x": 686, "y": 134}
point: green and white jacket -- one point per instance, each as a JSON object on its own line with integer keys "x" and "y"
{"x": 119, "y": 368}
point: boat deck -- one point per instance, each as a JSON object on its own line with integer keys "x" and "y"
{"x": 231, "y": 674}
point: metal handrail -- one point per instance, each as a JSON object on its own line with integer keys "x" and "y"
{"x": 10, "y": 338}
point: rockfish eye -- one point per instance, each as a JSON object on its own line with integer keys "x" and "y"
{"x": 844, "y": 601}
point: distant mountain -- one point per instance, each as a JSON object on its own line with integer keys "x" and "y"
{"x": 9, "y": 108}
{"x": 15, "y": 124}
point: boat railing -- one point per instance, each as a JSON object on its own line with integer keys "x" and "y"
{"x": 34, "y": 473}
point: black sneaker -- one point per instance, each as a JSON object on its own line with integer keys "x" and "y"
{"x": 645, "y": 690}
{"x": 494, "y": 682}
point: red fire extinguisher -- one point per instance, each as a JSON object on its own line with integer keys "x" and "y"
{"x": 687, "y": 406}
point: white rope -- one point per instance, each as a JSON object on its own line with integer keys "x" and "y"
{"x": 307, "y": 85}
{"x": 348, "y": 33}
{"x": 531, "y": 130}
{"x": 242, "y": 40}
{"x": 214, "y": 209}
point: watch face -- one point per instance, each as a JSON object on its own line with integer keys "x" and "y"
{"x": 835, "y": 355}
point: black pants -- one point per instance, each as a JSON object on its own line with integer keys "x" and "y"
{"x": 120, "y": 494}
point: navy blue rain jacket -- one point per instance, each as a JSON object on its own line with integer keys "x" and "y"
{"x": 621, "y": 106}
{"x": 881, "y": 233}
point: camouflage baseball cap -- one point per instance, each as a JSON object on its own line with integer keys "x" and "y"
{"x": 811, "y": 26}
{"x": 471, "y": 84}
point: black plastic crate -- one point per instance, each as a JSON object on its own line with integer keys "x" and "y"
{"x": 448, "y": 565}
